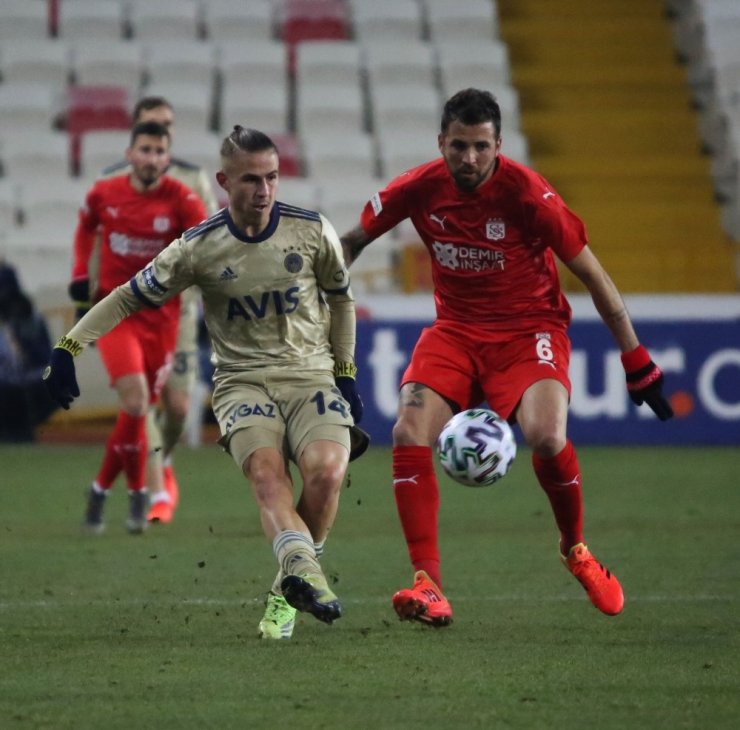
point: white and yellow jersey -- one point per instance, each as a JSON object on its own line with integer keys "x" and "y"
{"x": 264, "y": 297}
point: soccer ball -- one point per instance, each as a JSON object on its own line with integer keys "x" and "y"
{"x": 476, "y": 447}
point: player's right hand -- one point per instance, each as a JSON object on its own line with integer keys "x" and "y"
{"x": 59, "y": 375}
{"x": 79, "y": 293}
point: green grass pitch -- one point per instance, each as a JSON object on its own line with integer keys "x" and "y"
{"x": 159, "y": 631}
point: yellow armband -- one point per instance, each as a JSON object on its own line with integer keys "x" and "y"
{"x": 73, "y": 347}
{"x": 345, "y": 370}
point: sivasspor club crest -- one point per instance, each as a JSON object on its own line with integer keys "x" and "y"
{"x": 161, "y": 223}
{"x": 495, "y": 229}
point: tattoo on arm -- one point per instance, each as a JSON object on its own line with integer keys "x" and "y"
{"x": 413, "y": 396}
{"x": 353, "y": 243}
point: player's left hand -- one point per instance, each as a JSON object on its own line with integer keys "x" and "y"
{"x": 645, "y": 382}
{"x": 348, "y": 388}
{"x": 60, "y": 379}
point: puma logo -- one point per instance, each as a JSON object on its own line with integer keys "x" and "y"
{"x": 436, "y": 219}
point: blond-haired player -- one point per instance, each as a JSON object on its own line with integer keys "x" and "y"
{"x": 281, "y": 317}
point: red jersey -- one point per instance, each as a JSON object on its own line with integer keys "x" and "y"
{"x": 491, "y": 248}
{"x": 133, "y": 227}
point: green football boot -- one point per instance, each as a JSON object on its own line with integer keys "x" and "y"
{"x": 279, "y": 618}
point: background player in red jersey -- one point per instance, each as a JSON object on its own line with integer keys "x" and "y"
{"x": 136, "y": 215}
{"x": 166, "y": 422}
{"x": 491, "y": 227}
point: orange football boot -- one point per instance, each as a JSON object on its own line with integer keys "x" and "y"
{"x": 424, "y": 602}
{"x": 162, "y": 512}
{"x": 170, "y": 485}
{"x": 601, "y": 585}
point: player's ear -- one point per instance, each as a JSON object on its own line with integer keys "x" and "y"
{"x": 441, "y": 142}
{"x": 222, "y": 180}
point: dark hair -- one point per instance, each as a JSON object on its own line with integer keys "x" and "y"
{"x": 247, "y": 140}
{"x": 153, "y": 129}
{"x": 147, "y": 103}
{"x": 472, "y": 106}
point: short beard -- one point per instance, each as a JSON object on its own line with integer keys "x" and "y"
{"x": 467, "y": 183}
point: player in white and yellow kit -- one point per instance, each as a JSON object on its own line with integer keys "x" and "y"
{"x": 281, "y": 317}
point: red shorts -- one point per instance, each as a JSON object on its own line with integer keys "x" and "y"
{"x": 467, "y": 365}
{"x": 131, "y": 347}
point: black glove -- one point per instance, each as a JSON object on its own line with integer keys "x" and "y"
{"x": 344, "y": 377}
{"x": 59, "y": 376}
{"x": 359, "y": 440}
{"x": 79, "y": 293}
{"x": 645, "y": 382}
{"x": 348, "y": 388}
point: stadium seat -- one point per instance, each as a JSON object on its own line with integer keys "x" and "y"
{"x": 311, "y": 20}
{"x": 352, "y": 159}
{"x": 27, "y": 106}
{"x": 154, "y": 20}
{"x": 41, "y": 254}
{"x": 326, "y": 62}
{"x": 29, "y": 155}
{"x": 99, "y": 149}
{"x": 479, "y": 63}
{"x": 47, "y": 208}
{"x": 87, "y": 19}
{"x": 98, "y": 62}
{"x": 255, "y": 104}
{"x": 238, "y": 20}
{"x": 172, "y": 61}
{"x": 35, "y": 61}
{"x": 259, "y": 60}
{"x": 462, "y": 21}
{"x": 97, "y": 107}
{"x": 387, "y": 19}
{"x": 414, "y": 109}
{"x": 329, "y": 109}
{"x": 23, "y": 19}
{"x": 393, "y": 61}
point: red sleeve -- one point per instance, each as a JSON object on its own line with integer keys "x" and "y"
{"x": 193, "y": 210}
{"x": 84, "y": 242}
{"x": 386, "y": 208}
{"x": 553, "y": 222}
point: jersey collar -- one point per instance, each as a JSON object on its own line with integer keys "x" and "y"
{"x": 271, "y": 226}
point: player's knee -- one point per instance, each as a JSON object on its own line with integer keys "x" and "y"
{"x": 327, "y": 479}
{"x": 177, "y": 406}
{"x": 546, "y": 443}
{"x": 135, "y": 404}
{"x": 406, "y": 433}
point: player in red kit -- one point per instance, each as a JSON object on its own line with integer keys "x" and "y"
{"x": 136, "y": 215}
{"x": 493, "y": 228}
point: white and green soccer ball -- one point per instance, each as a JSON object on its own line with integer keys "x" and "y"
{"x": 476, "y": 447}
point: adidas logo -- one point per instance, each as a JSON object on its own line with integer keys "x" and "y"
{"x": 227, "y": 274}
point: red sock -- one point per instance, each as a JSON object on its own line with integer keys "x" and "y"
{"x": 417, "y": 499}
{"x": 125, "y": 451}
{"x": 560, "y": 477}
